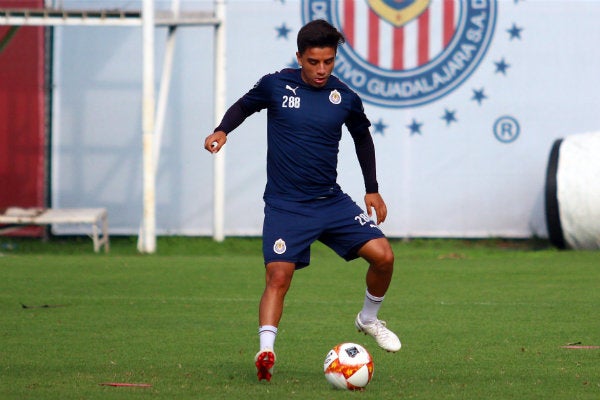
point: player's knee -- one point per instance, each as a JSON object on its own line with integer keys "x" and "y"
{"x": 379, "y": 254}
{"x": 383, "y": 257}
{"x": 385, "y": 260}
{"x": 279, "y": 277}
{"x": 278, "y": 283}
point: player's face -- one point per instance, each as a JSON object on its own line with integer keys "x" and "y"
{"x": 317, "y": 64}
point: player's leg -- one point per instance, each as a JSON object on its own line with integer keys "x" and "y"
{"x": 352, "y": 234}
{"x": 287, "y": 235}
{"x": 278, "y": 277}
{"x": 378, "y": 253}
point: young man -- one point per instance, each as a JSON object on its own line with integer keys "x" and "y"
{"x": 303, "y": 202}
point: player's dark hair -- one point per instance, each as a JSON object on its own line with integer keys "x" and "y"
{"x": 319, "y": 33}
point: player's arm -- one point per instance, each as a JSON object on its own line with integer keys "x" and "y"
{"x": 234, "y": 116}
{"x": 365, "y": 151}
{"x": 255, "y": 100}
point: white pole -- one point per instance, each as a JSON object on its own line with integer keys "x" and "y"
{"x": 147, "y": 241}
{"x": 219, "y": 99}
{"x": 165, "y": 86}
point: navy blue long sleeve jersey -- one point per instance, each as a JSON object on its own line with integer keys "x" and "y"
{"x": 304, "y": 128}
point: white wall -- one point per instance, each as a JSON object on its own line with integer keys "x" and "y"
{"x": 455, "y": 180}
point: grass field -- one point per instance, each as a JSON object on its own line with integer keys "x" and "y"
{"x": 478, "y": 320}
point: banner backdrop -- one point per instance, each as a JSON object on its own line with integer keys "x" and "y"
{"x": 465, "y": 98}
{"x": 22, "y": 116}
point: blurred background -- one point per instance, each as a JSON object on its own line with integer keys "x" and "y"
{"x": 466, "y": 99}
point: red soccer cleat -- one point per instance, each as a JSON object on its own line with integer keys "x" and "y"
{"x": 264, "y": 361}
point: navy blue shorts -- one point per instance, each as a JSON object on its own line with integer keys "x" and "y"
{"x": 290, "y": 227}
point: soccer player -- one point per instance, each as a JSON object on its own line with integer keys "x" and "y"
{"x": 306, "y": 109}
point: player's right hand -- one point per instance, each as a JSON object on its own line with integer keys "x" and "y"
{"x": 215, "y": 141}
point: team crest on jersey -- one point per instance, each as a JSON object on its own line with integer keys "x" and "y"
{"x": 407, "y": 53}
{"x": 279, "y": 247}
{"x": 335, "y": 97}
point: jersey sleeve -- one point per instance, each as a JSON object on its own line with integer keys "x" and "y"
{"x": 253, "y": 101}
{"x": 358, "y": 125}
{"x": 259, "y": 96}
{"x": 357, "y": 119}
{"x": 365, "y": 152}
{"x": 234, "y": 116}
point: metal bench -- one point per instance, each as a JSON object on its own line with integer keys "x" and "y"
{"x": 97, "y": 217}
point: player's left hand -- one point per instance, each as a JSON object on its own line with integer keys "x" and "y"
{"x": 375, "y": 201}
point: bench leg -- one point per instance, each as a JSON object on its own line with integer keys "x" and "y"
{"x": 95, "y": 237}
{"x": 105, "y": 236}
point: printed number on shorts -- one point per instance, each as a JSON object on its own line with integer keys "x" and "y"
{"x": 290, "y": 102}
{"x": 364, "y": 219}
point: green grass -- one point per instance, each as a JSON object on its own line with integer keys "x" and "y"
{"x": 478, "y": 320}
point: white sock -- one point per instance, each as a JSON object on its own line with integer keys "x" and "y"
{"x": 370, "y": 308}
{"x": 266, "y": 335}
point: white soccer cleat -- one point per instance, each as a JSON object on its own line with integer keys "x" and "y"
{"x": 385, "y": 338}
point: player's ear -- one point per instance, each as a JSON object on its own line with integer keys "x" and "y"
{"x": 299, "y": 58}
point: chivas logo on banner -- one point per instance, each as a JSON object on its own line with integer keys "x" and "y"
{"x": 405, "y": 53}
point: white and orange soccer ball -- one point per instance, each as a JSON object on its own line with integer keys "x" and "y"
{"x": 348, "y": 366}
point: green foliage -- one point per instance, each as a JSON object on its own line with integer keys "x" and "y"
{"x": 478, "y": 320}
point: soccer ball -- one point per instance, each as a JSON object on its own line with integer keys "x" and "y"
{"x": 348, "y": 366}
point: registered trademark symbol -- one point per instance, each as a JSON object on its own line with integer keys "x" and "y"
{"x": 506, "y": 129}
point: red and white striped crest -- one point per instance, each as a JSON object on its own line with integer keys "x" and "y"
{"x": 398, "y": 36}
